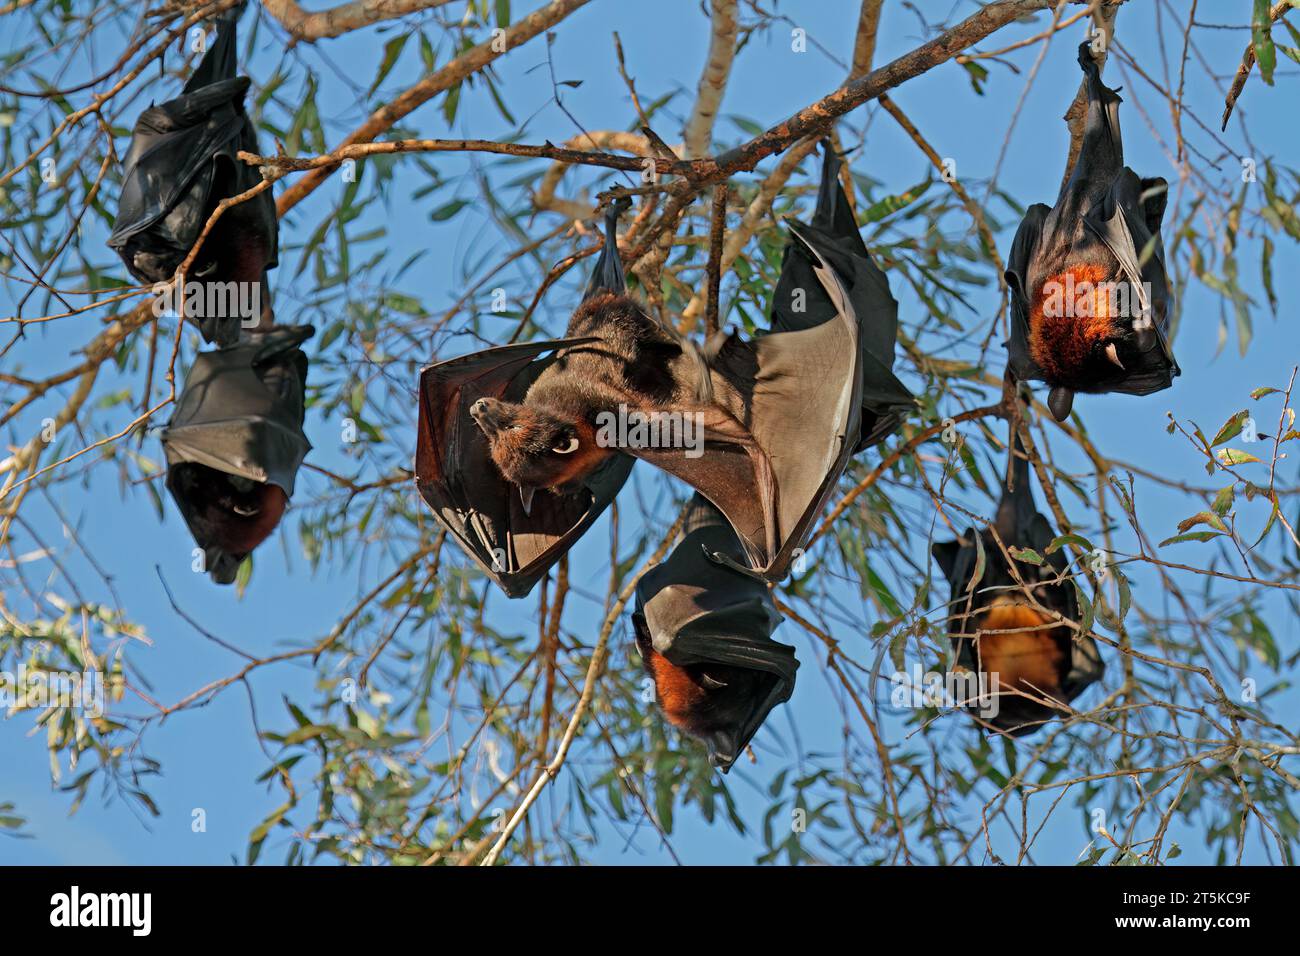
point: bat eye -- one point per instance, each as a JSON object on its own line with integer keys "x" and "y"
{"x": 567, "y": 448}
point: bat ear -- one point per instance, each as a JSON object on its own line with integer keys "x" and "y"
{"x": 1059, "y": 401}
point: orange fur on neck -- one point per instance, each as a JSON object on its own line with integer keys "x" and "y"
{"x": 1029, "y": 658}
{"x": 1061, "y": 344}
{"x": 679, "y": 695}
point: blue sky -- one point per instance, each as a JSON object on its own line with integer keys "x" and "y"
{"x": 209, "y": 755}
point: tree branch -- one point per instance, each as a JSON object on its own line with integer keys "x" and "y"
{"x": 864, "y": 47}
{"x": 594, "y": 669}
{"x": 815, "y": 118}
{"x": 344, "y": 18}
{"x": 713, "y": 81}
{"x": 1248, "y": 63}
{"x": 468, "y": 63}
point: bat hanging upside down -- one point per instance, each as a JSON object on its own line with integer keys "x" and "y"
{"x": 515, "y": 461}
{"x": 703, "y": 628}
{"x": 1030, "y": 664}
{"x": 763, "y": 427}
{"x": 232, "y": 513}
{"x": 182, "y": 162}
{"x": 550, "y": 439}
{"x": 1090, "y": 301}
{"x": 707, "y": 701}
{"x": 236, "y": 442}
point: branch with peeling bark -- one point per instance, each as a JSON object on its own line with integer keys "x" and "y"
{"x": 699, "y": 173}
{"x": 344, "y": 18}
{"x": 817, "y": 117}
{"x": 713, "y": 81}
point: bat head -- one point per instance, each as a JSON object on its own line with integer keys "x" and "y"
{"x": 1027, "y": 654}
{"x": 720, "y": 704}
{"x": 1072, "y": 328}
{"x": 227, "y": 513}
{"x": 536, "y": 447}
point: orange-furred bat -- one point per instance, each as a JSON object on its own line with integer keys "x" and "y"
{"x": 1090, "y": 301}
{"x": 1031, "y": 662}
{"x": 235, "y": 443}
{"x": 703, "y": 628}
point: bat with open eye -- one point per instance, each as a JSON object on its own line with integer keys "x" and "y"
{"x": 761, "y": 428}
{"x": 236, "y": 442}
{"x": 181, "y": 163}
{"x": 703, "y": 628}
{"x": 1006, "y": 633}
{"x": 511, "y": 529}
{"x": 1090, "y": 301}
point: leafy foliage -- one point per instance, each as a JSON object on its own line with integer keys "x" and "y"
{"x": 434, "y": 703}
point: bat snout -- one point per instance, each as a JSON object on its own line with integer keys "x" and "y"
{"x": 487, "y": 413}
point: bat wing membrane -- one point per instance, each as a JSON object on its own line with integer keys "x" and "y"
{"x": 801, "y": 300}
{"x": 241, "y": 409}
{"x": 458, "y": 479}
{"x": 770, "y": 465}
{"x": 1121, "y": 223}
{"x": 1028, "y": 238}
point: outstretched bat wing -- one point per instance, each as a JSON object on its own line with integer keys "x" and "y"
{"x": 786, "y": 421}
{"x": 455, "y": 473}
{"x": 800, "y": 301}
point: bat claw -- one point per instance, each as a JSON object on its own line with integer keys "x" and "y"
{"x": 1113, "y": 355}
{"x": 714, "y": 345}
{"x": 1086, "y": 59}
